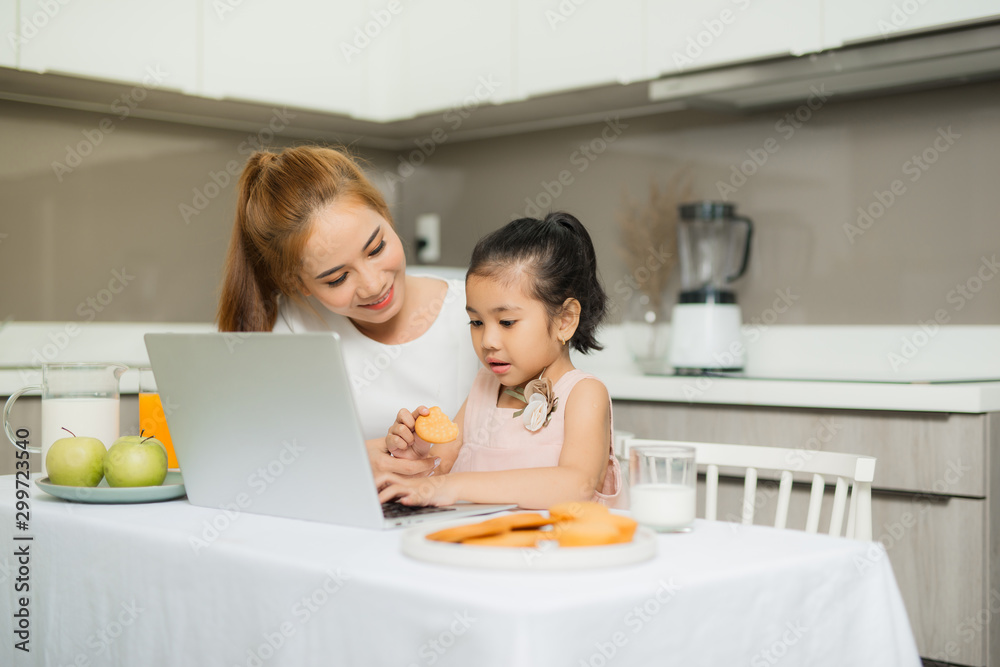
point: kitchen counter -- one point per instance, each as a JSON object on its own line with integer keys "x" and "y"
{"x": 971, "y": 397}
{"x": 946, "y": 370}
{"x": 953, "y": 369}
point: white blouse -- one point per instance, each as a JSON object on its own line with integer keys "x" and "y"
{"x": 435, "y": 369}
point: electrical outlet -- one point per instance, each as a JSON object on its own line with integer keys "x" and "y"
{"x": 428, "y": 238}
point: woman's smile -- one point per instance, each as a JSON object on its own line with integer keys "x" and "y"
{"x": 382, "y": 302}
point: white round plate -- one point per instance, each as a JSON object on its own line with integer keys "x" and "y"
{"x": 545, "y": 557}
{"x": 172, "y": 487}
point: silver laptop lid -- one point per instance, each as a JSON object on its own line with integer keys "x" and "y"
{"x": 265, "y": 423}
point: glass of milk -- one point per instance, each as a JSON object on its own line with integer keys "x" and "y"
{"x": 77, "y": 399}
{"x": 663, "y": 479}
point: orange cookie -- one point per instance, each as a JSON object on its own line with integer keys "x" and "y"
{"x": 494, "y": 526}
{"x": 585, "y": 534}
{"x": 466, "y": 532}
{"x": 522, "y": 520}
{"x": 436, "y": 427}
{"x": 511, "y": 538}
{"x": 577, "y": 510}
{"x": 625, "y": 526}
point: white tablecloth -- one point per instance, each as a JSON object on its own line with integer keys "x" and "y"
{"x": 173, "y": 584}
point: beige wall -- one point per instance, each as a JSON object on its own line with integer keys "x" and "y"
{"x": 898, "y": 271}
{"x": 120, "y": 208}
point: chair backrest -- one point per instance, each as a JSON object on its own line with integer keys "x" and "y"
{"x": 849, "y": 470}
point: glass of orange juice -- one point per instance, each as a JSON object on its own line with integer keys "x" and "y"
{"x": 152, "y": 417}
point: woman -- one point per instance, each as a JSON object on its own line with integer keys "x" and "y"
{"x": 314, "y": 249}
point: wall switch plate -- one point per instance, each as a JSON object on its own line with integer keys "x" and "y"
{"x": 428, "y": 238}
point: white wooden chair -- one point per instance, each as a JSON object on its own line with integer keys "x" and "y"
{"x": 851, "y": 470}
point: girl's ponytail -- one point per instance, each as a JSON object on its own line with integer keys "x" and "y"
{"x": 586, "y": 285}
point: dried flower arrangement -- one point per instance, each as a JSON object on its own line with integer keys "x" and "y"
{"x": 649, "y": 236}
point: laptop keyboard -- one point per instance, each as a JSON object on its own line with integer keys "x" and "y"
{"x": 394, "y": 510}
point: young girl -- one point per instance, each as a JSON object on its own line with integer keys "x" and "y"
{"x": 534, "y": 430}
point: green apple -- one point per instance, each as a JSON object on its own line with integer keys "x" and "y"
{"x": 142, "y": 437}
{"x": 134, "y": 460}
{"x": 76, "y": 461}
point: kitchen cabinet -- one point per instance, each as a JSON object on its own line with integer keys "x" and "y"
{"x": 456, "y": 55}
{"x": 566, "y": 44}
{"x": 144, "y": 42}
{"x": 682, "y": 36}
{"x": 12, "y": 32}
{"x": 299, "y": 53}
{"x": 384, "y": 61}
{"x": 934, "y": 506}
{"x": 864, "y": 20}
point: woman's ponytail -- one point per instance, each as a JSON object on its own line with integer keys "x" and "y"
{"x": 248, "y": 299}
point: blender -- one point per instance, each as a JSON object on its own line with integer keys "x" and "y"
{"x": 713, "y": 244}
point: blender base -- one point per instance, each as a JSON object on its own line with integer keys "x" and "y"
{"x": 706, "y": 337}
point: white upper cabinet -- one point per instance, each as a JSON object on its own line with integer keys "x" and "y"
{"x": 380, "y": 61}
{"x": 387, "y": 60}
{"x": 299, "y": 53}
{"x": 565, "y": 44}
{"x": 682, "y": 36}
{"x": 146, "y": 42}
{"x": 12, "y": 33}
{"x": 457, "y": 55}
{"x": 849, "y": 21}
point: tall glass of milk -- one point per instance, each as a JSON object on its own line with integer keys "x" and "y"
{"x": 77, "y": 399}
{"x": 663, "y": 479}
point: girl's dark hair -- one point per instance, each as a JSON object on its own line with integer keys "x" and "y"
{"x": 557, "y": 257}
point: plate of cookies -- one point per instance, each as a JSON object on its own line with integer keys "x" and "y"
{"x": 570, "y": 536}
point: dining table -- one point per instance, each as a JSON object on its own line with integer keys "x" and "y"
{"x": 170, "y": 583}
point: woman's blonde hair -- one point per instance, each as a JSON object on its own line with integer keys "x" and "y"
{"x": 278, "y": 195}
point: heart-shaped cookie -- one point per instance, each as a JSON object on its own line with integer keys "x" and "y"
{"x": 436, "y": 427}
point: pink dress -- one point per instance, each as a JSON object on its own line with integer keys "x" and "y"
{"x": 496, "y": 440}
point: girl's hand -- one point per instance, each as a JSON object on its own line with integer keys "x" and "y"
{"x": 415, "y": 491}
{"x": 402, "y": 440}
{"x": 382, "y": 462}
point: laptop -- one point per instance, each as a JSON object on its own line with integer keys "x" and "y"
{"x": 265, "y": 423}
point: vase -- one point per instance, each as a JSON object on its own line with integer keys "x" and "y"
{"x": 647, "y": 333}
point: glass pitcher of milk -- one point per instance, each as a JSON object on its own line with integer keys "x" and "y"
{"x": 80, "y": 398}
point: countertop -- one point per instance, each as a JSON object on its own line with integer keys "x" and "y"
{"x": 971, "y": 397}
{"x": 944, "y": 369}
{"x": 947, "y": 369}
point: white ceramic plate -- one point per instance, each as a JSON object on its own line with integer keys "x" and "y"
{"x": 172, "y": 487}
{"x": 545, "y": 557}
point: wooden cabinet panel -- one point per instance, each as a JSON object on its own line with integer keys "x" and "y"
{"x": 992, "y": 583}
{"x": 924, "y": 452}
